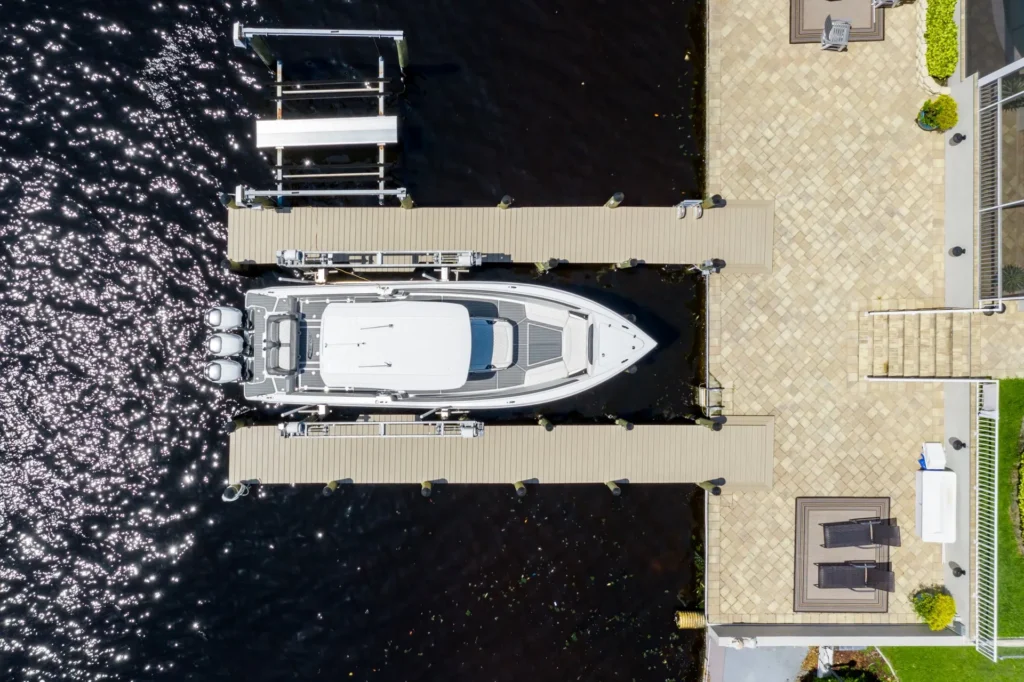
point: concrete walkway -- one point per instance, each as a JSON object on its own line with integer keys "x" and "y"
{"x": 768, "y": 664}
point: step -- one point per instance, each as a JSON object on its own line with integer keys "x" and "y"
{"x": 865, "y": 345}
{"x": 961, "y": 348}
{"x": 897, "y": 324}
{"x": 943, "y": 345}
{"x": 880, "y": 341}
{"x": 912, "y": 345}
{"x": 926, "y": 338}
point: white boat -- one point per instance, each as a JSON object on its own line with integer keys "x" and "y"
{"x": 419, "y": 345}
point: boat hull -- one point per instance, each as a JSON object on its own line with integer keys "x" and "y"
{"x": 564, "y": 345}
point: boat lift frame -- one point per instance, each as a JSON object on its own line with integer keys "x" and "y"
{"x": 253, "y": 38}
{"x": 384, "y": 260}
{"x": 384, "y": 429}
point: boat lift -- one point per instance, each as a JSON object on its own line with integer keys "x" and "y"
{"x": 319, "y": 263}
{"x": 281, "y": 134}
{"x": 382, "y": 429}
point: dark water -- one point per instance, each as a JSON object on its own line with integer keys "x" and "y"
{"x": 119, "y": 121}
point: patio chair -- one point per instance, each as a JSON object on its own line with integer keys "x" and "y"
{"x": 861, "y": 533}
{"x": 836, "y": 35}
{"x": 859, "y": 576}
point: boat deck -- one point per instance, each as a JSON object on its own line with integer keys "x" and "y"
{"x": 741, "y": 453}
{"x": 740, "y": 233}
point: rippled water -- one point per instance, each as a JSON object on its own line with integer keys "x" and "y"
{"x": 119, "y": 121}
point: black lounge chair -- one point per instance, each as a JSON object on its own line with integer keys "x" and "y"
{"x": 859, "y": 576}
{"x": 861, "y": 533}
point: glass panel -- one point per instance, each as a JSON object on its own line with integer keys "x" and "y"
{"x": 1011, "y": 151}
{"x": 1013, "y": 251}
{"x": 994, "y": 34}
{"x": 1012, "y": 84}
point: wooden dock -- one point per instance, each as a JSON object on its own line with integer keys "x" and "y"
{"x": 742, "y": 453}
{"x": 741, "y": 233}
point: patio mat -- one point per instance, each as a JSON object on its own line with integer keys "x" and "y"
{"x": 812, "y": 511}
{"x": 807, "y": 19}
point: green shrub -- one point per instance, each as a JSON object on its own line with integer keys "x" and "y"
{"x": 935, "y": 607}
{"x": 1020, "y": 492}
{"x": 939, "y": 112}
{"x": 940, "y": 35}
{"x": 1013, "y": 279}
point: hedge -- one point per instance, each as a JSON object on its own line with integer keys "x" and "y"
{"x": 941, "y": 37}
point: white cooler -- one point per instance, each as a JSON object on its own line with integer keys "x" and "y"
{"x": 936, "y": 506}
{"x": 934, "y": 456}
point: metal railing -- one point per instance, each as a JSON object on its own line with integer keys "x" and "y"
{"x": 989, "y": 237}
{"x": 986, "y": 570}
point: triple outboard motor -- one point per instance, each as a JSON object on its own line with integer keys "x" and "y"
{"x": 224, "y": 319}
{"x": 225, "y": 345}
{"x": 224, "y": 371}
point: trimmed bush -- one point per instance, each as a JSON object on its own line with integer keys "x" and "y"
{"x": 940, "y": 112}
{"x": 940, "y": 36}
{"x": 935, "y": 607}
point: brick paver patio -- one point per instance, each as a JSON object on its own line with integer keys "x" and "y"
{"x": 859, "y": 224}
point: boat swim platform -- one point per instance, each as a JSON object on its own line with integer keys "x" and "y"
{"x": 742, "y": 453}
{"x": 739, "y": 233}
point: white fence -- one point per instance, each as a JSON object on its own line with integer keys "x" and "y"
{"x": 986, "y": 571}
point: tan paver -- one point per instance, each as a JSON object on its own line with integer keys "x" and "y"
{"x": 858, "y": 226}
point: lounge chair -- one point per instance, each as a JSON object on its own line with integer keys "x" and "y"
{"x": 861, "y": 533}
{"x": 836, "y": 35}
{"x": 859, "y": 576}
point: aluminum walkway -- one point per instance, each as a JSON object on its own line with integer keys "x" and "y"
{"x": 741, "y": 233}
{"x": 741, "y": 453}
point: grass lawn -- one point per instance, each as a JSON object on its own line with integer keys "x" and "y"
{"x": 959, "y": 663}
{"x": 1011, "y": 563}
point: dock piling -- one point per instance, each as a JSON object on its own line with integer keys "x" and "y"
{"x": 546, "y": 266}
{"x": 506, "y": 202}
{"x": 426, "y": 488}
{"x": 330, "y": 488}
{"x": 614, "y": 487}
{"x": 615, "y": 200}
{"x": 713, "y": 424}
{"x": 262, "y": 50}
{"x": 619, "y": 421}
{"x": 403, "y": 53}
{"x": 407, "y": 202}
{"x": 520, "y": 489}
{"x": 626, "y": 264}
{"x": 713, "y": 486}
{"x": 546, "y": 423}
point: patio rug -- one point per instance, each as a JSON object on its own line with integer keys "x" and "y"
{"x": 812, "y": 511}
{"x": 807, "y": 19}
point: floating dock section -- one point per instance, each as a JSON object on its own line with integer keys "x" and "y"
{"x": 740, "y": 233}
{"x": 741, "y": 453}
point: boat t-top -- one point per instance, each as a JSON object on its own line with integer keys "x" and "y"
{"x": 419, "y": 345}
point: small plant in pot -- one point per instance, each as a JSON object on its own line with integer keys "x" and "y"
{"x": 935, "y": 606}
{"x": 938, "y": 114}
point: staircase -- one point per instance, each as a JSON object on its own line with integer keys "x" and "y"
{"x": 914, "y": 346}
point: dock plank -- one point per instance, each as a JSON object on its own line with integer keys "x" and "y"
{"x": 742, "y": 453}
{"x": 741, "y": 233}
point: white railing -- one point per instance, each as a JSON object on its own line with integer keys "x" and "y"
{"x": 986, "y": 570}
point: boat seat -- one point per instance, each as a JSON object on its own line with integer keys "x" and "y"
{"x": 282, "y": 345}
{"x": 493, "y": 344}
